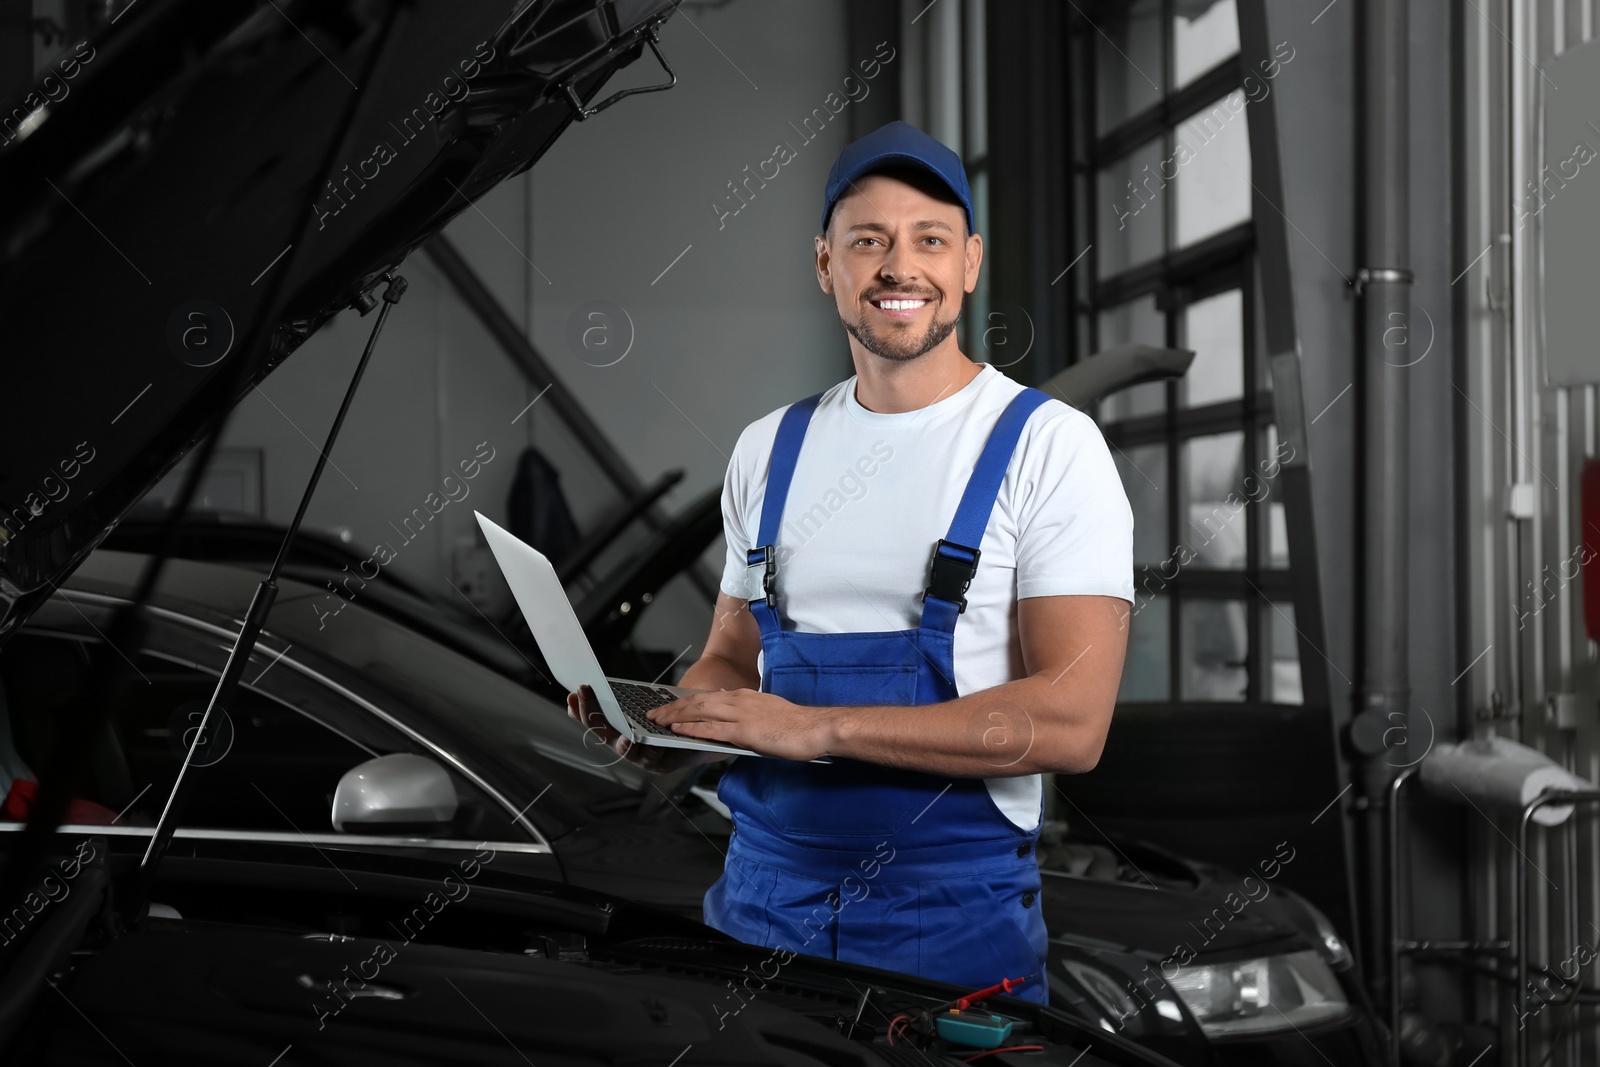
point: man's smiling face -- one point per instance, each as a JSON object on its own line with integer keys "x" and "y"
{"x": 898, "y": 261}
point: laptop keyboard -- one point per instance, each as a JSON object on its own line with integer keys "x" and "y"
{"x": 635, "y": 699}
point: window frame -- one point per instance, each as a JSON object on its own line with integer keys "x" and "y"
{"x": 180, "y": 640}
{"x": 1177, "y": 278}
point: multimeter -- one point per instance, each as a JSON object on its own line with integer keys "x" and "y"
{"x": 976, "y": 1029}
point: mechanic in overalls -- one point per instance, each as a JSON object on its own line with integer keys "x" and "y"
{"x": 929, "y": 583}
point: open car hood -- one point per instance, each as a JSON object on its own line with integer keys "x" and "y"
{"x": 191, "y": 193}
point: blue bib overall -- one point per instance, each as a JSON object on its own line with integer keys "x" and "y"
{"x": 913, "y": 872}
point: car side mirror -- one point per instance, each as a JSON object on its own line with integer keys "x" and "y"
{"x": 395, "y": 794}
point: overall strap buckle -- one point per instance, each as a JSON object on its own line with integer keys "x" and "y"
{"x": 759, "y": 584}
{"x": 951, "y": 574}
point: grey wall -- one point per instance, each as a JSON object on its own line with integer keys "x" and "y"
{"x": 436, "y": 388}
{"x": 736, "y": 327}
{"x": 1315, "y": 94}
{"x": 1319, "y": 127}
{"x": 1317, "y": 101}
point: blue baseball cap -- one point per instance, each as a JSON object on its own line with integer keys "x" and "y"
{"x": 896, "y": 143}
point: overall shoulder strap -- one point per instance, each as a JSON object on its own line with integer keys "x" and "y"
{"x": 780, "y": 472}
{"x": 785, "y": 452}
{"x": 955, "y": 559}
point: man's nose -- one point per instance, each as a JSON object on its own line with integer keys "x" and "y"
{"x": 898, "y": 264}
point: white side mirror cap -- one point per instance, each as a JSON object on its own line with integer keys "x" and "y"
{"x": 394, "y": 792}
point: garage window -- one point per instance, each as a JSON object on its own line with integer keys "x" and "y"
{"x": 1162, "y": 183}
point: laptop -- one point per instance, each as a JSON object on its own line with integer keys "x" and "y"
{"x": 571, "y": 658}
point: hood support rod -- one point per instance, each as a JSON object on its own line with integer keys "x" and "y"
{"x": 137, "y": 904}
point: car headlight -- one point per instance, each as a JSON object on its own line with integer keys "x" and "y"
{"x": 1116, "y": 1003}
{"x": 1255, "y": 996}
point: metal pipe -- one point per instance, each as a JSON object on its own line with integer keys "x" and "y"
{"x": 1583, "y": 796}
{"x": 1386, "y": 306}
{"x": 1523, "y": 400}
{"x": 1394, "y": 911}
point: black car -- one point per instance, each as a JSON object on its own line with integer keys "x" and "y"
{"x": 1198, "y": 963}
{"x": 254, "y": 954}
{"x": 322, "y": 696}
{"x": 325, "y": 697}
{"x": 547, "y": 905}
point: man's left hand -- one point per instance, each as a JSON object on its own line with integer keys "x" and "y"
{"x": 762, "y": 722}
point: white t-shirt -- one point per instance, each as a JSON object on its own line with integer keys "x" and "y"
{"x": 873, "y": 492}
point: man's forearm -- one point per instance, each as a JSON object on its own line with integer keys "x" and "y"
{"x": 1027, "y": 726}
{"x": 714, "y": 672}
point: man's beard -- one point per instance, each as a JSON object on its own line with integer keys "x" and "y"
{"x": 900, "y": 351}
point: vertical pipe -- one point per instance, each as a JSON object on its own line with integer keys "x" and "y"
{"x": 1569, "y": 878}
{"x": 1395, "y": 890}
{"x": 1386, "y": 306}
{"x": 1387, "y": 312}
{"x": 1507, "y": 104}
{"x": 1525, "y": 532}
{"x": 1521, "y": 919}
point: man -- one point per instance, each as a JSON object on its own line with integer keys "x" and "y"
{"x": 863, "y": 525}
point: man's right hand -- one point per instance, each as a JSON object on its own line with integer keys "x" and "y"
{"x": 584, "y": 709}
{"x": 728, "y": 662}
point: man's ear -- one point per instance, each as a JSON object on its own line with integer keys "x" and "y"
{"x": 974, "y": 260}
{"x": 824, "y": 267}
